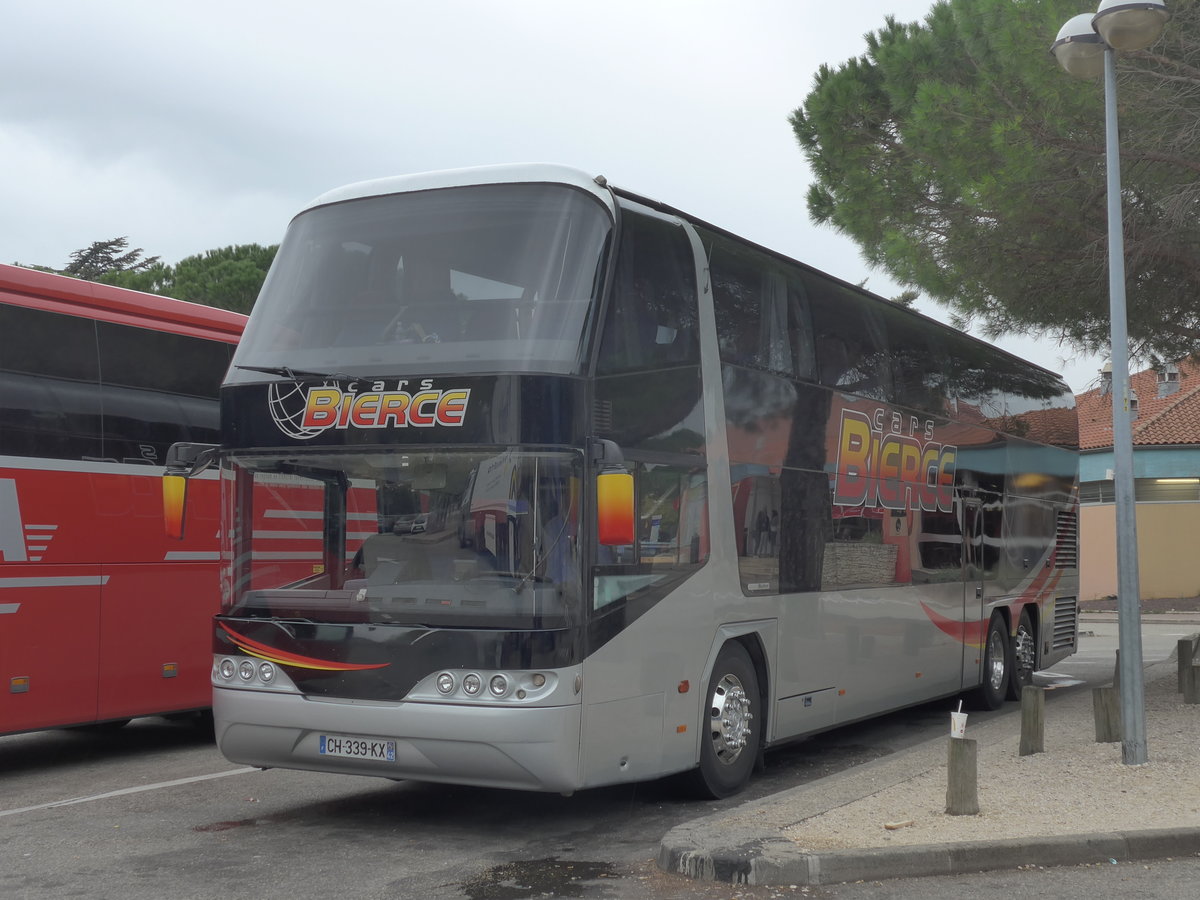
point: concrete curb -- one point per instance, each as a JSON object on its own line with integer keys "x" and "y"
{"x": 779, "y": 861}
{"x": 744, "y": 845}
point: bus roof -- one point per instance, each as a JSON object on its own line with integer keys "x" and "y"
{"x": 598, "y": 186}
{"x": 74, "y": 297}
{"x": 520, "y": 173}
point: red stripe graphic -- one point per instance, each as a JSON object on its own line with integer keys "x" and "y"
{"x": 972, "y": 633}
{"x": 284, "y": 658}
{"x": 969, "y": 633}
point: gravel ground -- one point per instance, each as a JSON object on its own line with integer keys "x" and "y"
{"x": 1076, "y": 786}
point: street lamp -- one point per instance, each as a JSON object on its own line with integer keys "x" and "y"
{"x": 1086, "y": 47}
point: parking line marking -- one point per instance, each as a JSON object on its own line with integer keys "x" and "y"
{"x": 130, "y": 790}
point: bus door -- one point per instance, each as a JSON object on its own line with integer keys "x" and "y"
{"x": 973, "y": 588}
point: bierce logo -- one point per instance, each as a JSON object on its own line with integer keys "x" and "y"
{"x": 287, "y": 402}
{"x": 893, "y": 462}
{"x": 303, "y": 413}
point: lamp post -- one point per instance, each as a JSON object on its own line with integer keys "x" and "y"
{"x": 1086, "y": 46}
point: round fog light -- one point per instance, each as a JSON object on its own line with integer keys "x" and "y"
{"x": 266, "y": 673}
{"x": 227, "y": 669}
{"x": 246, "y": 670}
{"x": 445, "y": 682}
{"x": 498, "y": 685}
{"x": 539, "y": 680}
{"x": 472, "y": 683}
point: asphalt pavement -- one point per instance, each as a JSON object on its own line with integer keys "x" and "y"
{"x": 750, "y": 843}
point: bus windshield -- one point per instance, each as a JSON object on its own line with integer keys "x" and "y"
{"x": 452, "y": 280}
{"x": 448, "y": 538}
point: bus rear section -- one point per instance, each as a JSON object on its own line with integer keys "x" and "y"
{"x": 529, "y": 482}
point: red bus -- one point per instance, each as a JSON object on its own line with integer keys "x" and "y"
{"x": 102, "y": 617}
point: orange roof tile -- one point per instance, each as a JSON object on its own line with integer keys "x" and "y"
{"x": 1173, "y": 419}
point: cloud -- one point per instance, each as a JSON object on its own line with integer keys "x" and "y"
{"x": 194, "y": 126}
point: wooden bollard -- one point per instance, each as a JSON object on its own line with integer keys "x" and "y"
{"x": 1191, "y": 684}
{"x": 1033, "y": 720}
{"x": 962, "y": 778}
{"x": 1186, "y": 653}
{"x": 1106, "y": 707}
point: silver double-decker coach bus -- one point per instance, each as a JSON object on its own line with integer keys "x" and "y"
{"x": 532, "y": 482}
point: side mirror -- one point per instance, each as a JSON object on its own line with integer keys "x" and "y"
{"x": 174, "y": 488}
{"x": 614, "y": 496}
{"x": 183, "y": 461}
{"x": 614, "y": 508}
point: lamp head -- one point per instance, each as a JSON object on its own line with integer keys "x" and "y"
{"x": 1130, "y": 24}
{"x": 1078, "y": 48}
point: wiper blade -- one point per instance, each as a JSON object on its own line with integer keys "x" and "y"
{"x": 295, "y": 374}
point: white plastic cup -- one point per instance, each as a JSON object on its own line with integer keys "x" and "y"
{"x": 958, "y": 724}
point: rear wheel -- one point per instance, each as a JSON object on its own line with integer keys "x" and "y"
{"x": 1024, "y": 656}
{"x": 729, "y": 744}
{"x": 992, "y": 692}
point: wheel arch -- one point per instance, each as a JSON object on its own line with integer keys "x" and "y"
{"x": 1035, "y": 620}
{"x": 1004, "y": 611}
{"x": 755, "y": 638}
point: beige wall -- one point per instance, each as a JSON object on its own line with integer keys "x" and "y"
{"x": 1168, "y": 550}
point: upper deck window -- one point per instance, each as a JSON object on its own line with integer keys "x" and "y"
{"x": 651, "y": 322}
{"x": 762, "y": 311}
{"x": 474, "y": 279}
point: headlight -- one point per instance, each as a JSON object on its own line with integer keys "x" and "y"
{"x": 445, "y": 683}
{"x": 266, "y": 673}
{"x": 472, "y": 683}
{"x": 227, "y": 669}
{"x": 498, "y": 685}
{"x": 246, "y": 670}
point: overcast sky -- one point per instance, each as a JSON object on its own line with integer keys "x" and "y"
{"x": 194, "y": 126}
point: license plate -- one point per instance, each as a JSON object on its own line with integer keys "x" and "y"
{"x": 352, "y": 747}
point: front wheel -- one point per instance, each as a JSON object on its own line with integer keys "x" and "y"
{"x": 992, "y": 692}
{"x": 730, "y": 739}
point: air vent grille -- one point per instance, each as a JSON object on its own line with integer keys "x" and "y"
{"x": 1066, "y": 620}
{"x": 1066, "y": 541}
{"x": 602, "y": 418}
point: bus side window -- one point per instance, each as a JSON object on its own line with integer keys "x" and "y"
{"x": 672, "y": 533}
{"x": 51, "y": 403}
{"x": 672, "y": 516}
{"x": 917, "y": 356}
{"x": 651, "y": 321}
{"x": 851, "y": 342}
{"x": 762, "y": 312}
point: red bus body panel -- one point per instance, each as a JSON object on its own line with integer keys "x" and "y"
{"x": 102, "y": 616}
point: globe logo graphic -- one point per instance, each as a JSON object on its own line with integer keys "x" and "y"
{"x": 286, "y": 402}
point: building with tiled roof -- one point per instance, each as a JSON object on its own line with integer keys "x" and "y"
{"x": 1165, "y": 403}
{"x": 1167, "y": 412}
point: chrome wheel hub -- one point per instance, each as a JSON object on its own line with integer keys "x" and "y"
{"x": 1023, "y": 650}
{"x": 996, "y": 662}
{"x": 729, "y": 719}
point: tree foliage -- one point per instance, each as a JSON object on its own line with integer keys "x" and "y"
{"x": 968, "y": 165}
{"x": 229, "y": 277}
{"x": 103, "y": 257}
